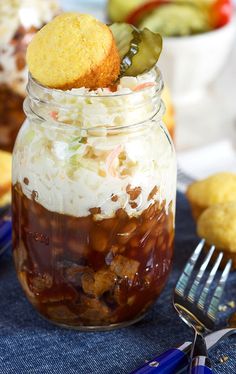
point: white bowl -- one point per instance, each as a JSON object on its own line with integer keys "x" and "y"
{"x": 190, "y": 63}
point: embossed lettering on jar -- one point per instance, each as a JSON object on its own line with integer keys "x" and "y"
{"x": 94, "y": 184}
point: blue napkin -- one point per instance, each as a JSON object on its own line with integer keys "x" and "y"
{"x": 29, "y": 344}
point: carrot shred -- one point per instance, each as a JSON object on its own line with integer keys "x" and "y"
{"x": 111, "y": 159}
{"x": 54, "y": 115}
{"x": 143, "y": 85}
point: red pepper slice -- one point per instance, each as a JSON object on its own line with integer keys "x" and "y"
{"x": 221, "y": 13}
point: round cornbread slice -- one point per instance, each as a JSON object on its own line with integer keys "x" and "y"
{"x": 217, "y": 225}
{"x": 216, "y": 189}
{"x": 74, "y": 50}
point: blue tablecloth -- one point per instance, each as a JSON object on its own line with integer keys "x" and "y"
{"x": 29, "y": 344}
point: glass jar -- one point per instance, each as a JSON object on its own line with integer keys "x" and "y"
{"x": 19, "y": 21}
{"x": 94, "y": 186}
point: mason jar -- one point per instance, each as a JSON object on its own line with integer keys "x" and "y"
{"x": 94, "y": 187}
{"x": 19, "y": 21}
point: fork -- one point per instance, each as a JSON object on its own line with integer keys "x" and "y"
{"x": 197, "y": 312}
{"x": 176, "y": 359}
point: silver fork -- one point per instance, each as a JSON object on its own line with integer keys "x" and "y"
{"x": 200, "y": 313}
{"x": 183, "y": 180}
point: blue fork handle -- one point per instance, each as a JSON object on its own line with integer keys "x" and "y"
{"x": 172, "y": 361}
{"x": 201, "y": 365}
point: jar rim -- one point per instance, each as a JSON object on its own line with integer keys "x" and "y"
{"x": 109, "y": 129}
{"x": 158, "y": 84}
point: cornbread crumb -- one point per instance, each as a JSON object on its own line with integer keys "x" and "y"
{"x": 231, "y": 304}
{"x": 223, "y": 359}
{"x": 222, "y": 308}
{"x": 74, "y": 50}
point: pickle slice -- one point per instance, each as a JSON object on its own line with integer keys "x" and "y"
{"x": 139, "y": 49}
{"x": 149, "y": 52}
{"x": 127, "y": 40}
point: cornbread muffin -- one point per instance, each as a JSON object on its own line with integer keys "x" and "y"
{"x": 74, "y": 50}
{"x": 5, "y": 178}
{"x": 216, "y": 189}
{"x": 217, "y": 225}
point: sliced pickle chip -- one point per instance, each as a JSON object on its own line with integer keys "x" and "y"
{"x": 127, "y": 39}
{"x": 139, "y": 49}
{"x": 149, "y": 52}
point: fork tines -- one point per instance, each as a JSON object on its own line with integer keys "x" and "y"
{"x": 185, "y": 276}
{"x": 215, "y": 301}
{"x": 193, "y": 293}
